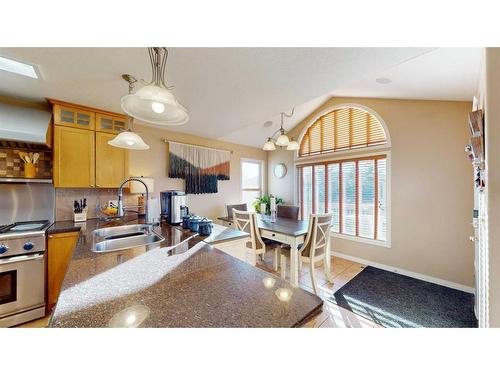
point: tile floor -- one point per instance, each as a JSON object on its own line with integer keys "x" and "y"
{"x": 332, "y": 316}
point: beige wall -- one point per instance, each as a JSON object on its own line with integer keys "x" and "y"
{"x": 153, "y": 163}
{"x": 492, "y": 125}
{"x": 281, "y": 187}
{"x": 431, "y": 188}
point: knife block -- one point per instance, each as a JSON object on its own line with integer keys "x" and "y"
{"x": 79, "y": 217}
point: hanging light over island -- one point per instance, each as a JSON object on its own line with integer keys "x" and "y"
{"x": 155, "y": 103}
{"x": 128, "y": 139}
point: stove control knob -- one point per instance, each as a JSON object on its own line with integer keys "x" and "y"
{"x": 3, "y": 249}
{"x": 28, "y": 246}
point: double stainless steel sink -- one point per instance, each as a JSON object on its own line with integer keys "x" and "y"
{"x": 124, "y": 237}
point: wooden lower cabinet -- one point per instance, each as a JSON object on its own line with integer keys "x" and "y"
{"x": 110, "y": 162}
{"x": 74, "y": 157}
{"x": 60, "y": 248}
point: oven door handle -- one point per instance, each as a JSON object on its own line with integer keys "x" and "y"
{"x": 20, "y": 258}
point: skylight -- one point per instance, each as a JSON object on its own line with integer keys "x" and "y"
{"x": 17, "y": 67}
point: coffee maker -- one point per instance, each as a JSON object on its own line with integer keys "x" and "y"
{"x": 173, "y": 206}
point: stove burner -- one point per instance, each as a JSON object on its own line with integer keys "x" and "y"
{"x": 24, "y": 226}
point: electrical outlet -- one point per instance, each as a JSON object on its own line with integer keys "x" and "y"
{"x": 113, "y": 203}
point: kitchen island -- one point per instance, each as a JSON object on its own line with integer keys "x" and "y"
{"x": 181, "y": 282}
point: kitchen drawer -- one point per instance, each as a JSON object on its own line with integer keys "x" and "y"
{"x": 273, "y": 235}
{"x": 228, "y": 224}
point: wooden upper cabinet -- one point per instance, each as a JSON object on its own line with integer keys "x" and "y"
{"x": 73, "y": 117}
{"x": 74, "y": 157}
{"x": 110, "y": 124}
{"x": 82, "y": 156}
{"x": 111, "y": 162}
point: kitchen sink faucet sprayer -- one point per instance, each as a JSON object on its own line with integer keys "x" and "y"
{"x": 121, "y": 208}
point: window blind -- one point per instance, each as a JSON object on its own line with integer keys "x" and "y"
{"x": 353, "y": 190}
{"x": 342, "y": 129}
{"x": 366, "y": 198}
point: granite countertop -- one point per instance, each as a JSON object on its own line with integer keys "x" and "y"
{"x": 197, "y": 286}
{"x": 219, "y": 234}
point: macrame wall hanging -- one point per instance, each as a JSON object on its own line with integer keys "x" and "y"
{"x": 200, "y": 167}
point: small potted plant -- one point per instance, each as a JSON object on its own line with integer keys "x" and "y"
{"x": 265, "y": 200}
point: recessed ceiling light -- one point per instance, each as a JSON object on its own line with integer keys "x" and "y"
{"x": 383, "y": 80}
{"x": 268, "y": 124}
{"x": 17, "y": 67}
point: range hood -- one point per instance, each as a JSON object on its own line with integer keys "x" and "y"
{"x": 25, "y": 127}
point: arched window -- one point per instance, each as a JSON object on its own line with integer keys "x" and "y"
{"x": 353, "y": 188}
{"x": 342, "y": 129}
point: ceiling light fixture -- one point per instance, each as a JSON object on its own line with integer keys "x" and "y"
{"x": 128, "y": 139}
{"x": 17, "y": 67}
{"x": 292, "y": 145}
{"x": 155, "y": 103}
{"x": 269, "y": 145}
{"x": 282, "y": 140}
{"x": 383, "y": 80}
{"x": 268, "y": 124}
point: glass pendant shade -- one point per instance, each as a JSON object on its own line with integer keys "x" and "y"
{"x": 282, "y": 140}
{"x": 269, "y": 145}
{"x": 292, "y": 146}
{"x": 128, "y": 140}
{"x": 155, "y": 105}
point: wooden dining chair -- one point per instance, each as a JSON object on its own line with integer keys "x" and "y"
{"x": 288, "y": 212}
{"x": 247, "y": 222}
{"x": 315, "y": 247}
{"x": 239, "y": 207}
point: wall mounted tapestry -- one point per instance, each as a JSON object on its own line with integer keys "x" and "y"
{"x": 200, "y": 167}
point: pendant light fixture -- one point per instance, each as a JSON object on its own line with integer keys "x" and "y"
{"x": 155, "y": 103}
{"x": 269, "y": 145}
{"x": 128, "y": 139}
{"x": 282, "y": 140}
{"x": 293, "y": 145}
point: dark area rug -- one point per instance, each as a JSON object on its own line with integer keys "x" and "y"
{"x": 393, "y": 300}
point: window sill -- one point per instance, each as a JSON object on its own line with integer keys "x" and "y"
{"x": 369, "y": 241}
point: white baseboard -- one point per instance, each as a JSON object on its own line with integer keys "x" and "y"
{"x": 415, "y": 275}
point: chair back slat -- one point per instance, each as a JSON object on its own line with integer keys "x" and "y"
{"x": 318, "y": 235}
{"x": 247, "y": 222}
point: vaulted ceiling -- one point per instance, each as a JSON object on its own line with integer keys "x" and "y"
{"x": 231, "y": 92}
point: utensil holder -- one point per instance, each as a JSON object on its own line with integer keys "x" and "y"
{"x": 29, "y": 170}
{"x": 78, "y": 217}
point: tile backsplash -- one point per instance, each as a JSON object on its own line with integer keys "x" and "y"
{"x": 11, "y": 164}
{"x": 66, "y": 197}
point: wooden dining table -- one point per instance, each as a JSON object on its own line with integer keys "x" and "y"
{"x": 290, "y": 232}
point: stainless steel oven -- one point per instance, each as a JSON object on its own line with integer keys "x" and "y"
{"x": 22, "y": 291}
{"x": 22, "y": 272}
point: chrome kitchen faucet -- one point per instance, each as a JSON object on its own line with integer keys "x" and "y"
{"x": 122, "y": 209}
